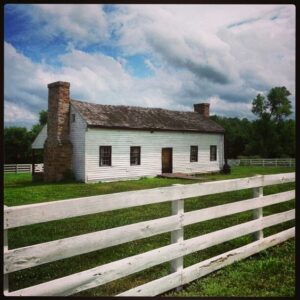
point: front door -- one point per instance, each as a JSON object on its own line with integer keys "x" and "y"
{"x": 166, "y": 160}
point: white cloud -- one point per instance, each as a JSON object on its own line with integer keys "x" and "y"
{"x": 13, "y": 113}
{"x": 81, "y": 24}
{"x": 220, "y": 54}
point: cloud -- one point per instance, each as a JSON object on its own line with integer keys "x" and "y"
{"x": 220, "y": 54}
{"x": 15, "y": 113}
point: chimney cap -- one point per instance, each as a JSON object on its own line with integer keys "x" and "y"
{"x": 59, "y": 83}
{"x": 202, "y": 109}
{"x": 201, "y": 104}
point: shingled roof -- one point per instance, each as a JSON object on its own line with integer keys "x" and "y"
{"x": 133, "y": 117}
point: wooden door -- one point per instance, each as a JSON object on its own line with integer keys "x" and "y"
{"x": 166, "y": 160}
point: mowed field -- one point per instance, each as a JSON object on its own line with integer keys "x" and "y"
{"x": 269, "y": 273}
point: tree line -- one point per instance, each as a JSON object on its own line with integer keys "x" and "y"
{"x": 18, "y": 140}
{"x": 271, "y": 135}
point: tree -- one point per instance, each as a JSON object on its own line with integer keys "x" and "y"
{"x": 236, "y": 134}
{"x": 267, "y": 130}
{"x": 17, "y": 141}
{"x": 276, "y": 107}
{"x": 43, "y": 117}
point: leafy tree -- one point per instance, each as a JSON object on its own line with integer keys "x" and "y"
{"x": 236, "y": 134}
{"x": 43, "y": 117}
{"x": 17, "y": 141}
{"x": 267, "y": 131}
{"x": 277, "y": 106}
{"x": 287, "y": 135}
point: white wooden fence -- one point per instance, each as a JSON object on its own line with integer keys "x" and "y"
{"x": 23, "y": 168}
{"x": 34, "y": 255}
{"x": 272, "y": 162}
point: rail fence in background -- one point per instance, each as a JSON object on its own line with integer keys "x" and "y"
{"x": 23, "y": 168}
{"x": 265, "y": 162}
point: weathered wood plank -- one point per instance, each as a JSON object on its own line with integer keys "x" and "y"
{"x": 5, "y": 277}
{"x": 30, "y": 256}
{"x": 235, "y": 207}
{"x": 177, "y": 235}
{"x": 258, "y": 213}
{"x": 48, "y": 211}
{"x": 106, "y": 273}
{"x": 164, "y": 284}
{"x": 278, "y": 178}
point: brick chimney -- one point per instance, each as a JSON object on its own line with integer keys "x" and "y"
{"x": 58, "y": 148}
{"x": 202, "y": 108}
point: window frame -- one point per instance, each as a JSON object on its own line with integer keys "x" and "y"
{"x": 73, "y": 118}
{"x": 131, "y": 157}
{"x": 101, "y": 154}
{"x": 213, "y": 156}
{"x": 194, "y": 153}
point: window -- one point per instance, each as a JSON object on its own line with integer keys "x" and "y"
{"x": 73, "y": 118}
{"x": 194, "y": 153}
{"x": 213, "y": 153}
{"x": 135, "y": 156}
{"x": 105, "y": 156}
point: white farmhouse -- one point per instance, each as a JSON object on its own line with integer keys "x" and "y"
{"x": 107, "y": 142}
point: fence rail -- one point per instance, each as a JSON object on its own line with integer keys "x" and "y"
{"x": 272, "y": 162}
{"x": 23, "y": 168}
{"x": 30, "y": 256}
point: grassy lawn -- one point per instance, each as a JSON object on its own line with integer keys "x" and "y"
{"x": 270, "y": 273}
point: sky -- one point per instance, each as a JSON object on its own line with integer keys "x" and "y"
{"x": 167, "y": 56}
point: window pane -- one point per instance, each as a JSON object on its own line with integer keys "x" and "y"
{"x": 213, "y": 153}
{"x": 105, "y": 156}
{"x": 135, "y": 155}
{"x": 194, "y": 153}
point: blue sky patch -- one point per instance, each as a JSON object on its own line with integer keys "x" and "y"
{"x": 137, "y": 67}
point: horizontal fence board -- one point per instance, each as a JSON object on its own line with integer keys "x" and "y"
{"x": 30, "y": 256}
{"x": 42, "y": 212}
{"x": 235, "y": 207}
{"x": 263, "y": 162}
{"x": 103, "y": 274}
{"x": 164, "y": 284}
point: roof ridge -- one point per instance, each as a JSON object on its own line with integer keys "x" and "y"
{"x": 135, "y": 106}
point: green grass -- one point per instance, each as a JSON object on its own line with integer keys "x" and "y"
{"x": 270, "y": 273}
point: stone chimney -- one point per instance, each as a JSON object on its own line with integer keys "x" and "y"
{"x": 202, "y": 108}
{"x": 58, "y": 148}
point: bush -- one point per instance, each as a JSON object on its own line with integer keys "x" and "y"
{"x": 226, "y": 168}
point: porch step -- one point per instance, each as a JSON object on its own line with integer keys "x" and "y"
{"x": 178, "y": 175}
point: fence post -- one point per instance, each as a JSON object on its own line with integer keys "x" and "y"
{"x": 258, "y": 213}
{"x": 177, "y": 236}
{"x": 5, "y": 277}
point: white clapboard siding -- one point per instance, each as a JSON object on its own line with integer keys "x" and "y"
{"x": 30, "y": 256}
{"x": 100, "y": 275}
{"x": 77, "y": 137}
{"x": 43, "y": 212}
{"x": 164, "y": 284}
{"x": 151, "y": 144}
